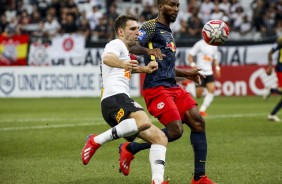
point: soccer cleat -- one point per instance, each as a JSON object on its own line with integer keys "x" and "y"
{"x": 89, "y": 149}
{"x": 266, "y": 94}
{"x": 164, "y": 182}
{"x": 203, "y": 180}
{"x": 273, "y": 118}
{"x": 125, "y": 159}
{"x": 203, "y": 113}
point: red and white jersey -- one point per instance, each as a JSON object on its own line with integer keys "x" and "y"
{"x": 205, "y": 55}
{"x": 115, "y": 80}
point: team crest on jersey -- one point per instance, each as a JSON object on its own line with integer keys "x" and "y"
{"x": 171, "y": 46}
{"x": 142, "y": 34}
{"x": 160, "y": 105}
{"x": 119, "y": 115}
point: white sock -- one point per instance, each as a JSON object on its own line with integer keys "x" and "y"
{"x": 207, "y": 101}
{"x": 157, "y": 160}
{"x": 124, "y": 128}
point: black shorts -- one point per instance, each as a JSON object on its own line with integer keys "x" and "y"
{"x": 117, "y": 108}
{"x": 204, "y": 81}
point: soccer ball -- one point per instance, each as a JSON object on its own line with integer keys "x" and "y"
{"x": 215, "y": 32}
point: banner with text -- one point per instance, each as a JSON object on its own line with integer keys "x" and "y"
{"x": 70, "y": 50}
{"x": 55, "y": 82}
{"x": 238, "y": 81}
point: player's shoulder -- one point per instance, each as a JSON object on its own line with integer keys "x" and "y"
{"x": 115, "y": 43}
{"x": 150, "y": 24}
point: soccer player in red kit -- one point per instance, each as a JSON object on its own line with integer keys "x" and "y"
{"x": 165, "y": 100}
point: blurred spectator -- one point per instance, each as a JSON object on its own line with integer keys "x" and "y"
{"x": 51, "y": 26}
{"x": 206, "y": 8}
{"x": 195, "y": 25}
{"x": 94, "y": 16}
{"x": 268, "y": 25}
{"x": 217, "y": 13}
{"x": 258, "y": 8}
{"x": 278, "y": 28}
{"x": 72, "y": 8}
{"x": 193, "y": 5}
{"x": 11, "y": 12}
{"x": 42, "y": 6}
{"x": 225, "y": 6}
{"x": 246, "y": 28}
{"x": 148, "y": 12}
{"x": 68, "y": 24}
{"x": 84, "y": 28}
{"x": 3, "y": 23}
{"x": 237, "y": 18}
{"x": 113, "y": 12}
{"x": 55, "y": 8}
{"x": 101, "y": 30}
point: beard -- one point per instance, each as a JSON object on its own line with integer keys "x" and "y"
{"x": 169, "y": 18}
{"x": 131, "y": 43}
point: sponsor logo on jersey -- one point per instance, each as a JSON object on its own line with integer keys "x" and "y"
{"x": 171, "y": 46}
{"x": 119, "y": 115}
{"x": 160, "y": 105}
{"x": 142, "y": 34}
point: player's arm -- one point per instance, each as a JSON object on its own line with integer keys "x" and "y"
{"x": 270, "y": 67}
{"x": 193, "y": 74}
{"x": 112, "y": 60}
{"x": 191, "y": 61}
{"x": 137, "y": 49}
{"x": 150, "y": 68}
{"x": 217, "y": 67}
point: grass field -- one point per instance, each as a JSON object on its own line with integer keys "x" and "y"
{"x": 41, "y": 140}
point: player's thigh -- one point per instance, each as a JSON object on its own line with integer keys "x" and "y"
{"x": 211, "y": 87}
{"x": 142, "y": 120}
{"x": 153, "y": 135}
{"x": 194, "y": 120}
{"x": 199, "y": 91}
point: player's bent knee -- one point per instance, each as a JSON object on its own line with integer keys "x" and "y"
{"x": 161, "y": 138}
{"x": 142, "y": 120}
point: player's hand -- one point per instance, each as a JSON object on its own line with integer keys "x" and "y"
{"x": 195, "y": 76}
{"x": 156, "y": 52}
{"x": 152, "y": 67}
{"x": 130, "y": 65}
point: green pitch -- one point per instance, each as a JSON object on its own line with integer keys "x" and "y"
{"x": 41, "y": 140}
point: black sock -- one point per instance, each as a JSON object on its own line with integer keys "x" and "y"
{"x": 276, "y": 91}
{"x": 199, "y": 144}
{"x": 277, "y": 108}
{"x": 135, "y": 147}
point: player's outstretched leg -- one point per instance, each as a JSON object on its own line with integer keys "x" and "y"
{"x": 89, "y": 149}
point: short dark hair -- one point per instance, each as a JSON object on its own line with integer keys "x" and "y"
{"x": 120, "y": 22}
{"x": 161, "y": 2}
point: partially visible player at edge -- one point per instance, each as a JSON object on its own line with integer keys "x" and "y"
{"x": 277, "y": 46}
{"x": 121, "y": 112}
{"x": 165, "y": 100}
{"x": 207, "y": 56}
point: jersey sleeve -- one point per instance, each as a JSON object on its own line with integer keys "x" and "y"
{"x": 113, "y": 47}
{"x": 147, "y": 31}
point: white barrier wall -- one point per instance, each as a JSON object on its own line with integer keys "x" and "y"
{"x": 59, "y": 81}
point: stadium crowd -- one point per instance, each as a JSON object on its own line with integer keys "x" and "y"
{"x": 257, "y": 19}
